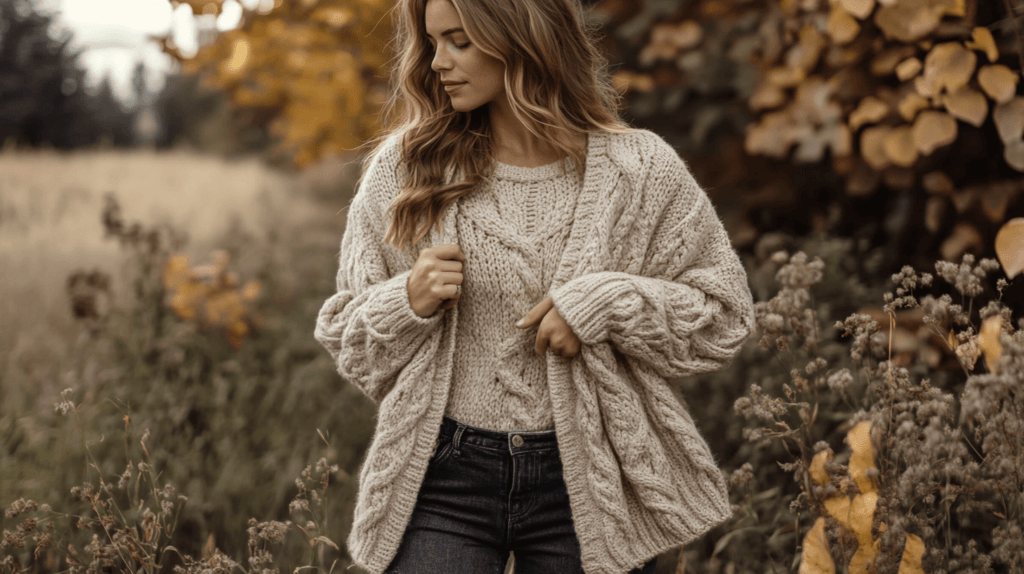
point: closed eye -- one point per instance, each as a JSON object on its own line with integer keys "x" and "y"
{"x": 457, "y": 46}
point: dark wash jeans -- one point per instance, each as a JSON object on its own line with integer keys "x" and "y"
{"x": 487, "y": 493}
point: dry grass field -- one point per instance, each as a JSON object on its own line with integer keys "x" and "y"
{"x": 50, "y": 208}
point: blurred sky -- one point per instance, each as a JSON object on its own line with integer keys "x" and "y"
{"x": 113, "y": 34}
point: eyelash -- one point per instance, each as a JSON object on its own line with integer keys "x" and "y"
{"x": 458, "y": 46}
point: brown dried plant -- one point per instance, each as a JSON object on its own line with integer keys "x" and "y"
{"x": 949, "y": 480}
{"x": 132, "y": 521}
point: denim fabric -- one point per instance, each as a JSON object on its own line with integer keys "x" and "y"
{"x": 485, "y": 494}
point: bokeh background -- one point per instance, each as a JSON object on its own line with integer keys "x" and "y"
{"x": 174, "y": 177}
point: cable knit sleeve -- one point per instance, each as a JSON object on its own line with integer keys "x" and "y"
{"x": 369, "y": 326}
{"x": 688, "y": 310}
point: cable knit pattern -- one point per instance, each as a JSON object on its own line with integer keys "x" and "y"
{"x": 640, "y": 267}
{"x": 513, "y": 224}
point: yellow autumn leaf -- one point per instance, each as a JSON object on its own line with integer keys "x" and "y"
{"x": 251, "y": 291}
{"x": 870, "y": 110}
{"x": 859, "y": 8}
{"x": 1009, "y": 119}
{"x": 998, "y": 81}
{"x": 872, "y": 146}
{"x": 932, "y": 130}
{"x": 838, "y": 507}
{"x": 909, "y": 20}
{"x": 176, "y": 272}
{"x": 948, "y": 66}
{"x": 234, "y": 65}
{"x": 817, "y": 468}
{"x": 842, "y": 26}
{"x": 334, "y": 17}
{"x": 863, "y": 458}
{"x": 988, "y": 341}
{"x": 862, "y": 515}
{"x": 983, "y": 40}
{"x": 911, "y": 104}
{"x": 900, "y": 148}
{"x": 908, "y": 69}
{"x": 805, "y": 53}
{"x": 766, "y": 97}
{"x": 1013, "y": 153}
{"x": 863, "y": 559}
{"x": 964, "y": 237}
{"x": 913, "y": 552}
{"x": 968, "y": 105}
{"x": 687, "y": 35}
{"x": 815, "y": 558}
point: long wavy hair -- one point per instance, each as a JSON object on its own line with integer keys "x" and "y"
{"x": 555, "y": 77}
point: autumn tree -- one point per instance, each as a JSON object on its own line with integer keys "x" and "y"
{"x": 897, "y": 121}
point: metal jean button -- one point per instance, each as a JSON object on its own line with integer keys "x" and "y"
{"x": 517, "y": 440}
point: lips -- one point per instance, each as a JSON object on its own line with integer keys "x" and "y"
{"x": 450, "y": 87}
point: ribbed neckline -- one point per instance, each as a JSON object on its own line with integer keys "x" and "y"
{"x": 526, "y": 174}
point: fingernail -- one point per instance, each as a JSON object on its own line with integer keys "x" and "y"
{"x": 520, "y": 323}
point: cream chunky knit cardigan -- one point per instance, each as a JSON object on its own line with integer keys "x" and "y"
{"x": 649, "y": 283}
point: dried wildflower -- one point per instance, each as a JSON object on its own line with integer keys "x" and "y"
{"x": 168, "y": 491}
{"x": 65, "y": 403}
{"x": 789, "y": 306}
{"x": 840, "y": 381}
{"x": 28, "y": 525}
{"x": 742, "y": 476}
{"x": 166, "y": 506}
{"x": 13, "y": 539}
{"x": 126, "y": 476}
{"x": 20, "y": 506}
{"x": 816, "y": 365}
{"x": 759, "y": 405}
{"x": 148, "y": 518}
{"x": 298, "y": 504}
{"x": 965, "y": 278}
{"x": 861, "y": 327}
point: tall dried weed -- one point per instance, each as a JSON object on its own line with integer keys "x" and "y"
{"x": 947, "y": 459}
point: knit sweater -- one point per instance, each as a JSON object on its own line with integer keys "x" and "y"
{"x": 648, "y": 282}
{"x": 497, "y": 381}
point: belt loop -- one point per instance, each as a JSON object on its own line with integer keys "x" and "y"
{"x": 458, "y": 435}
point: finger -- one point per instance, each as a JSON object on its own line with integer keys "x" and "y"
{"x": 542, "y": 344}
{"x": 450, "y": 266}
{"x": 447, "y": 251}
{"x": 447, "y": 278}
{"x": 537, "y": 313}
{"x": 449, "y": 291}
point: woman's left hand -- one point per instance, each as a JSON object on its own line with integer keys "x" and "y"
{"x": 553, "y": 332}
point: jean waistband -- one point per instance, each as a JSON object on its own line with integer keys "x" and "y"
{"x": 513, "y": 440}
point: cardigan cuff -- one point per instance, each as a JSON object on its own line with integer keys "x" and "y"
{"x": 586, "y": 303}
{"x": 397, "y": 317}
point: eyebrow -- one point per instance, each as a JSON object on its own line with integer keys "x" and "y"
{"x": 448, "y": 31}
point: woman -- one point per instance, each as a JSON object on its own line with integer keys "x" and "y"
{"x": 516, "y": 192}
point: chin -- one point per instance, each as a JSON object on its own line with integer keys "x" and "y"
{"x": 461, "y": 106}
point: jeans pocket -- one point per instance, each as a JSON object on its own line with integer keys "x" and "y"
{"x": 441, "y": 451}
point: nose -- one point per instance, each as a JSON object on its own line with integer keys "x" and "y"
{"x": 441, "y": 61}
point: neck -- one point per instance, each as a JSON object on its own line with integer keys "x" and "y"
{"x": 513, "y": 142}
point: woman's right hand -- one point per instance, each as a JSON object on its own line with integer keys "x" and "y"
{"x": 434, "y": 277}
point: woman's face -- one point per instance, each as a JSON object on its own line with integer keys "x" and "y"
{"x": 477, "y": 78}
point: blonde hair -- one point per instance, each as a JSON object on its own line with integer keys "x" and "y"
{"x": 555, "y": 77}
